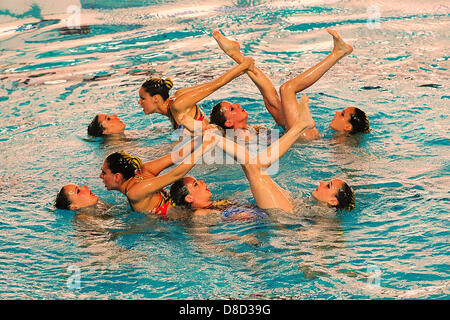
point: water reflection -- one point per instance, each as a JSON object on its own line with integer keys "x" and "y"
{"x": 96, "y": 230}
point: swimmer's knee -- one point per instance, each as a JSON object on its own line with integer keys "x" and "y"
{"x": 286, "y": 88}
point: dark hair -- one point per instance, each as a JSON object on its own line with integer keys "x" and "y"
{"x": 178, "y": 193}
{"x": 217, "y": 116}
{"x": 62, "y": 201}
{"x": 95, "y": 128}
{"x": 122, "y": 162}
{"x": 346, "y": 198}
{"x": 359, "y": 122}
{"x": 158, "y": 86}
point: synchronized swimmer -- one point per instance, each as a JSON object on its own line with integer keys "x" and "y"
{"x": 154, "y": 97}
{"x": 143, "y": 185}
{"x": 281, "y": 106}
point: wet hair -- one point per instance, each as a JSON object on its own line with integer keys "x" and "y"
{"x": 217, "y": 116}
{"x": 360, "y": 122}
{"x": 178, "y": 193}
{"x": 122, "y": 162}
{"x": 62, "y": 201}
{"x": 158, "y": 86}
{"x": 95, "y": 128}
{"x": 346, "y": 198}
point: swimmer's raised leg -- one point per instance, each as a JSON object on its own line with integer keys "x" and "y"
{"x": 303, "y": 122}
{"x": 290, "y": 88}
{"x": 266, "y": 192}
{"x": 271, "y": 98}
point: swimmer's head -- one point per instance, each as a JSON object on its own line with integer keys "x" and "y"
{"x": 335, "y": 193}
{"x": 229, "y": 116}
{"x": 153, "y": 93}
{"x": 73, "y": 197}
{"x": 191, "y": 193}
{"x": 105, "y": 124}
{"x": 117, "y": 168}
{"x": 351, "y": 120}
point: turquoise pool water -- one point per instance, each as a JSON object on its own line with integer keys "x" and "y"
{"x": 393, "y": 245}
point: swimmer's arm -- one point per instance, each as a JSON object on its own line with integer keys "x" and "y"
{"x": 155, "y": 167}
{"x": 264, "y": 158}
{"x": 239, "y": 153}
{"x": 189, "y": 98}
{"x": 149, "y": 186}
{"x": 196, "y": 127}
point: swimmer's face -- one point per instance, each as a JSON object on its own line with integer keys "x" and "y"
{"x": 148, "y": 103}
{"x": 341, "y": 121}
{"x": 236, "y": 116}
{"x": 79, "y": 197}
{"x": 111, "y": 123}
{"x": 199, "y": 194}
{"x": 327, "y": 191}
{"x": 112, "y": 181}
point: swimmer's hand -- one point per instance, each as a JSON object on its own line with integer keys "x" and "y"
{"x": 212, "y": 126}
{"x": 209, "y": 135}
{"x": 189, "y": 123}
{"x": 248, "y": 63}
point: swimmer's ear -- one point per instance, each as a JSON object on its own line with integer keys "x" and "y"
{"x": 157, "y": 98}
{"x": 189, "y": 198}
{"x": 348, "y": 127}
{"x": 73, "y": 207}
{"x": 228, "y": 124}
{"x": 333, "y": 202}
{"x": 118, "y": 177}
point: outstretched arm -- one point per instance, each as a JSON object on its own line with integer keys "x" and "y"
{"x": 149, "y": 186}
{"x": 189, "y": 98}
{"x": 154, "y": 167}
{"x": 264, "y": 158}
{"x": 275, "y": 151}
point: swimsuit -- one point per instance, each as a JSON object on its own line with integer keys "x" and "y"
{"x": 199, "y": 116}
{"x": 163, "y": 206}
{"x": 164, "y": 202}
{"x": 243, "y": 213}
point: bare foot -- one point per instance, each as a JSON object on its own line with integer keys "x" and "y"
{"x": 231, "y": 48}
{"x": 340, "y": 46}
{"x": 305, "y": 119}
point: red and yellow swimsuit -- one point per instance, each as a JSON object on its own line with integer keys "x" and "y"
{"x": 163, "y": 206}
{"x": 199, "y": 116}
